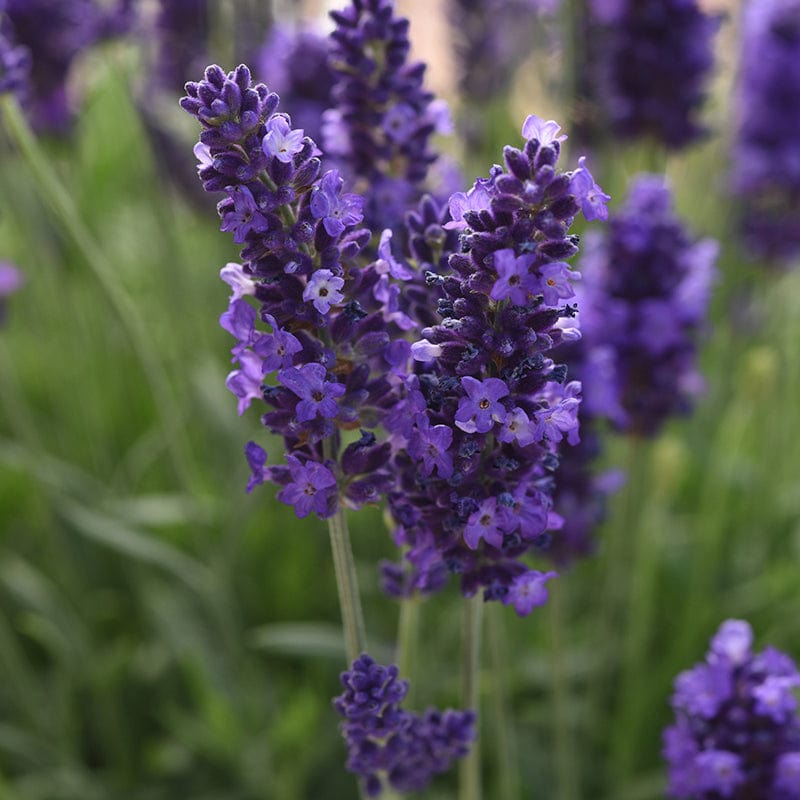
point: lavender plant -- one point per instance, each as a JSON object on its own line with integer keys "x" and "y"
{"x": 486, "y": 407}
{"x": 766, "y": 155}
{"x": 388, "y": 745}
{"x": 737, "y": 730}
{"x": 437, "y": 352}
{"x": 649, "y": 65}
{"x": 647, "y": 289}
{"x": 379, "y": 130}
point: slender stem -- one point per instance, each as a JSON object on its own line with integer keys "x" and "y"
{"x": 508, "y": 785}
{"x": 355, "y": 637}
{"x": 408, "y": 642}
{"x": 567, "y": 772}
{"x": 54, "y": 194}
{"x": 470, "y": 768}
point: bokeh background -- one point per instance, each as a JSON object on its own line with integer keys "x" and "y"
{"x": 164, "y": 635}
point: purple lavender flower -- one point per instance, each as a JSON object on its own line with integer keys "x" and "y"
{"x": 313, "y": 316}
{"x": 281, "y": 141}
{"x": 483, "y": 372}
{"x": 312, "y": 487}
{"x": 55, "y": 33}
{"x": 647, "y": 285}
{"x": 317, "y": 394}
{"x": 336, "y": 210}
{"x": 766, "y": 154}
{"x": 528, "y": 591}
{"x": 648, "y": 65}
{"x": 737, "y": 731}
{"x": 481, "y": 408}
{"x": 383, "y": 118}
{"x": 389, "y": 745}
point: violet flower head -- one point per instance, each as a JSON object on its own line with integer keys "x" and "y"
{"x": 483, "y": 372}
{"x": 312, "y": 314}
{"x": 649, "y": 63}
{"x": 55, "y": 33}
{"x": 647, "y": 289}
{"x": 388, "y": 745}
{"x": 766, "y": 153}
{"x": 737, "y": 730}
{"x": 380, "y": 128}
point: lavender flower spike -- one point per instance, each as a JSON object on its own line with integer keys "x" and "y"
{"x": 389, "y": 745}
{"x": 483, "y": 378}
{"x": 312, "y": 315}
{"x": 647, "y": 285}
{"x": 766, "y": 154}
{"x": 737, "y": 730}
{"x": 650, "y": 65}
{"x": 383, "y": 120}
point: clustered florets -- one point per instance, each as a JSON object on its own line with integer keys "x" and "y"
{"x": 389, "y": 744}
{"x": 766, "y": 166}
{"x": 737, "y": 732}
{"x": 650, "y": 65}
{"x": 485, "y": 407}
{"x": 380, "y": 127}
{"x": 647, "y": 285}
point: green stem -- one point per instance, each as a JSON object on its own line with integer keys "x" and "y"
{"x": 55, "y": 195}
{"x": 567, "y": 772}
{"x": 508, "y": 786}
{"x": 469, "y": 775}
{"x": 408, "y": 642}
{"x": 355, "y": 638}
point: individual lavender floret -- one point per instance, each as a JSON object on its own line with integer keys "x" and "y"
{"x": 294, "y": 63}
{"x": 766, "y": 154}
{"x": 647, "y": 290}
{"x": 56, "y": 32}
{"x": 651, "y": 59}
{"x": 388, "y": 745}
{"x": 379, "y": 130}
{"x": 315, "y": 350}
{"x": 486, "y": 407}
{"x": 737, "y": 730}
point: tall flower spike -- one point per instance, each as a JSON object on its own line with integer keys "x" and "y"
{"x": 649, "y": 63}
{"x": 647, "y": 287}
{"x": 737, "y": 730}
{"x": 379, "y": 130}
{"x": 486, "y": 408}
{"x": 316, "y": 350}
{"x": 766, "y": 155}
{"x": 388, "y": 745}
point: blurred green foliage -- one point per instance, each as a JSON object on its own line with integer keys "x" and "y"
{"x": 163, "y": 635}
